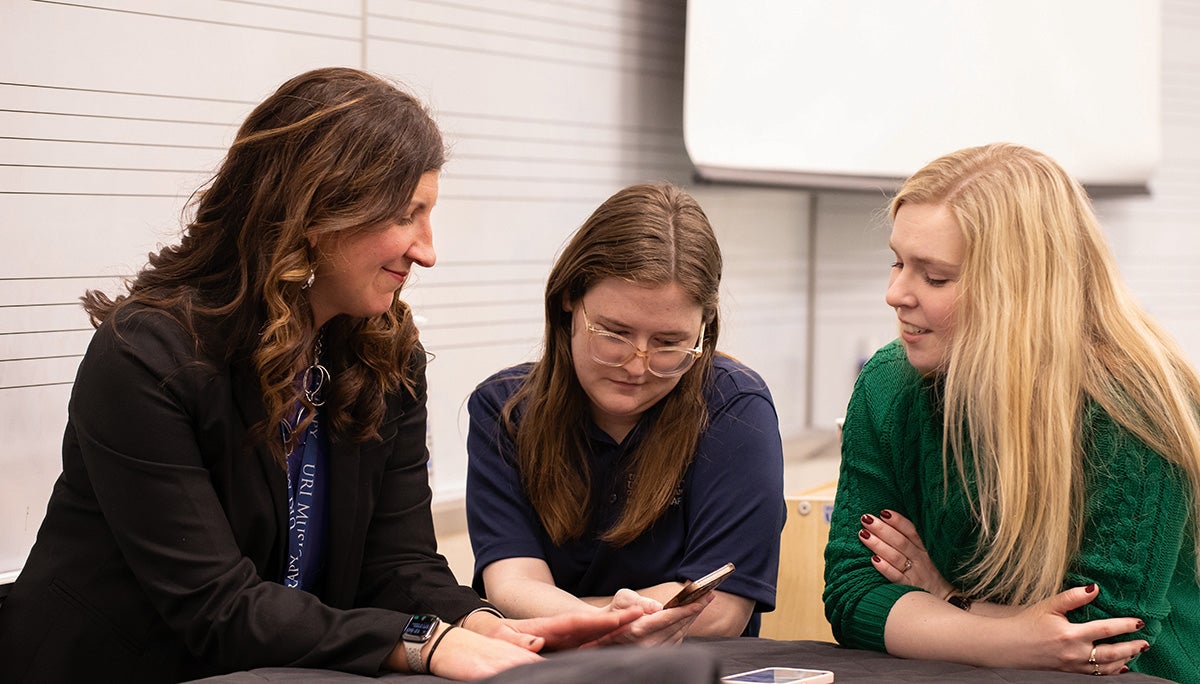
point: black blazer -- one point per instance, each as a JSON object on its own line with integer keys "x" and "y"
{"x": 166, "y": 534}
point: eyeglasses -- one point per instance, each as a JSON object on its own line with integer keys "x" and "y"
{"x": 612, "y": 350}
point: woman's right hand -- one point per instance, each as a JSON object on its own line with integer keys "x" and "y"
{"x": 657, "y": 626}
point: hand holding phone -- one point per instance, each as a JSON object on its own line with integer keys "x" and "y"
{"x": 694, "y": 591}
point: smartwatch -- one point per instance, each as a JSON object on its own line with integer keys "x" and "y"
{"x": 418, "y": 631}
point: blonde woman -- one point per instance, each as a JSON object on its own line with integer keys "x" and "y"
{"x": 1021, "y": 469}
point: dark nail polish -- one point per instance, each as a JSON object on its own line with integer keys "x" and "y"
{"x": 1140, "y": 624}
{"x": 885, "y": 514}
{"x": 1123, "y": 670}
{"x": 877, "y": 559}
{"x": 1091, "y": 588}
{"x": 864, "y": 534}
{"x": 867, "y": 519}
{"x": 1145, "y": 648}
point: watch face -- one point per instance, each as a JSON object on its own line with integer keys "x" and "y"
{"x": 420, "y": 627}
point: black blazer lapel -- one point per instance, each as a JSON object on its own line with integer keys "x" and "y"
{"x": 346, "y": 526}
{"x": 248, "y": 397}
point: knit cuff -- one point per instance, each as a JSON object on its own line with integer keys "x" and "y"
{"x": 870, "y": 616}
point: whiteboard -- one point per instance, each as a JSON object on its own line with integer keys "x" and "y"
{"x": 862, "y": 94}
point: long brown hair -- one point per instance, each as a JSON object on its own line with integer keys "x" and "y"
{"x": 1044, "y": 325}
{"x": 652, "y": 234}
{"x": 331, "y": 152}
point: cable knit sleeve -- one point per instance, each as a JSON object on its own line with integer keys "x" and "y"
{"x": 1135, "y": 526}
{"x": 858, "y": 598}
{"x": 1137, "y": 538}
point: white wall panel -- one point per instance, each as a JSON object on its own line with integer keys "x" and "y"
{"x": 223, "y": 50}
{"x": 1156, "y": 239}
{"x": 851, "y": 319}
{"x": 111, "y": 113}
{"x": 764, "y": 237}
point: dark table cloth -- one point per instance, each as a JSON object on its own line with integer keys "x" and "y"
{"x": 702, "y": 661}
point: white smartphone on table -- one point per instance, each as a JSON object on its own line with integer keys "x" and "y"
{"x": 779, "y": 675}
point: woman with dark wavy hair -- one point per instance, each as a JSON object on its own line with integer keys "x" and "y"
{"x": 631, "y": 457}
{"x": 244, "y": 467}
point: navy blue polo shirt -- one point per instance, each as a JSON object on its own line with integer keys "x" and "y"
{"x": 728, "y": 508}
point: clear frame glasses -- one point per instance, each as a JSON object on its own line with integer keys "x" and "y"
{"x": 612, "y": 350}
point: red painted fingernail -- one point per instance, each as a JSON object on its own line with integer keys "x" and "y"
{"x": 1123, "y": 670}
{"x": 1145, "y": 648}
{"x": 1140, "y": 624}
{"x": 877, "y": 559}
{"x": 1091, "y": 588}
{"x": 864, "y": 534}
{"x": 885, "y": 514}
{"x": 867, "y": 519}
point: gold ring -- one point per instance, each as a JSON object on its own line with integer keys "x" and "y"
{"x": 1096, "y": 670}
{"x": 1092, "y": 657}
{"x": 907, "y": 566}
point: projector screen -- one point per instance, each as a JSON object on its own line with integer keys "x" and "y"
{"x": 862, "y": 94}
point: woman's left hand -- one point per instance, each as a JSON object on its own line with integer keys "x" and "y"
{"x": 1040, "y": 636}
{"x": 899, "y": 554}
{"x": 558, "y": 632}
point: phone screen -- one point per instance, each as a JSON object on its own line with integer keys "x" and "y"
{"x": 779, "y": 675}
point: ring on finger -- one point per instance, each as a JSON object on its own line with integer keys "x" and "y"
{"x": 907, "y": 565}
{"x": 1092, "y": 661}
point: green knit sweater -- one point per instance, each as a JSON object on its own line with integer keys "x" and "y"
{"x": 1137, "y": 543}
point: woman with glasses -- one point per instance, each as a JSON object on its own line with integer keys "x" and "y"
{"x": 631, "y": 457}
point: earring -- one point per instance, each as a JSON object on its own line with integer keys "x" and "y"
{"x": 312, "y": 276}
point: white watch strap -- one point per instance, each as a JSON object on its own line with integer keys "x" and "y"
{"x": 412, "y": 651}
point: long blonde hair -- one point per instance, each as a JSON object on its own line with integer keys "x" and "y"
{"x": 1044, "y": 325}
{"x": 650, "y": 234}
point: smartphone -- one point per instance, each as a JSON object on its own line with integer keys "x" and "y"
{"x": 693, "y": 591}
{"x": 780, "y": 674}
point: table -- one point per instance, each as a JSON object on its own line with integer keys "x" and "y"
{"x": 702, "y": 661}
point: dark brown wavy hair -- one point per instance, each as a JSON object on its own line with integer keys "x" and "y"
{"x": 651, "y": 234}
{"x": 333, "y": 151}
